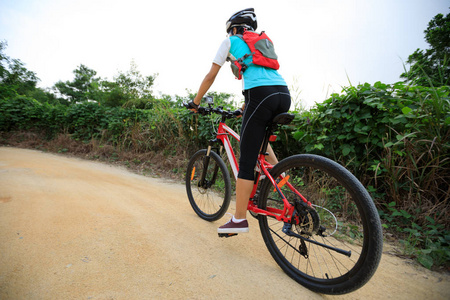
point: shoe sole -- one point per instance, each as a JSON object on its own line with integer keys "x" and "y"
{"x": 234, "y": 230}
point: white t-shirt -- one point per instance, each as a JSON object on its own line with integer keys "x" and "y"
{"x": 223, "y": 52}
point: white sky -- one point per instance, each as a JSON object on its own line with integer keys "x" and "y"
{"x": 319, "y": 42}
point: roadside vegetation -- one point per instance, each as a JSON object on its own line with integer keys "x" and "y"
{"x": 394, "y": 137}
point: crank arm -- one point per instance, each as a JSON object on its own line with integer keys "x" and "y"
{"x": 287, "y": 230}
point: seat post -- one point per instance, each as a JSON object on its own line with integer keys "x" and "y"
{"x": 281, "y": 119}
{"x": 270, "y": 129}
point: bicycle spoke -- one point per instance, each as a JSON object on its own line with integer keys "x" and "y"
{"x": 209, "y": 198}
{"x": 323, "y": 243}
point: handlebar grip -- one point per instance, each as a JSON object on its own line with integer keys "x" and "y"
{"x": 237, "y": 112}
{"x": 191, "y": 105}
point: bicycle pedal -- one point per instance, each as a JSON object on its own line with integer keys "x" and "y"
{"x": 227, "y": 235}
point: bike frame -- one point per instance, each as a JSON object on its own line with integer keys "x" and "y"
{"x": 222, "y": 134}
{"x": 284, "y": 214}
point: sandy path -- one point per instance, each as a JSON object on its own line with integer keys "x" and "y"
{"x": 75, "y": 229}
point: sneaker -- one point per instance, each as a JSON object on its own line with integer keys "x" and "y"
{"x": 234, "y": 227}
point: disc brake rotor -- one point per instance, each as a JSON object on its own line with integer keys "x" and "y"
{"x": 306, "y": 219}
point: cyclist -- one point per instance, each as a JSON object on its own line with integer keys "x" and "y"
{"x": 266, "y": 95}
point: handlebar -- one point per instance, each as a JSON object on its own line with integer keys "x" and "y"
{"x": 226, "y": 114}
{"x": 219, "y": 111}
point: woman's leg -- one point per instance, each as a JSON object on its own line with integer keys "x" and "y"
{"x": 271, "y": 158}
{"x": 243, "y": 190}
{"x": 260, "y": 108}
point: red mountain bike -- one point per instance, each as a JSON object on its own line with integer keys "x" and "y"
{"x": 317, "y": 220}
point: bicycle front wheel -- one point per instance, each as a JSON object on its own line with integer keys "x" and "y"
{"x": 333, "y": 246}
{"x": 208, "y": 185}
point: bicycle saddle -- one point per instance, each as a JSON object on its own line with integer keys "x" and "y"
{"x": 283, "y": 119}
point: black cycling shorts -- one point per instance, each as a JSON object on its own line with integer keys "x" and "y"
{"x": 262, "y": 104}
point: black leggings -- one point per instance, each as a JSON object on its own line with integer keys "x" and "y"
{"x": 262, "y": 104}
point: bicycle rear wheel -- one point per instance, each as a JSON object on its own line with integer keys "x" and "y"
{"x": 209, "y": 198}
{"x": 333, "y": 246}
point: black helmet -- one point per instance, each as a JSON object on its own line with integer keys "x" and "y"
{"x": 244, "y": 18}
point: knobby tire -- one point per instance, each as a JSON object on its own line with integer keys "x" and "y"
{"x": 343, "y": 216}
{"x": 210, "y": 199}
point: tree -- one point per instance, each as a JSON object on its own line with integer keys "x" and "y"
{"x": 431, "y": 67}
{"x": 15, "y": 79}
{"x": 135, "y": 84}
{"x": 129, "y": 89}
{"x": 85, "y": 86}
{"x": 112, "y": 94}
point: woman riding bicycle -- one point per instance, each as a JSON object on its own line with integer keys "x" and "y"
{"x": 266, "y": 95}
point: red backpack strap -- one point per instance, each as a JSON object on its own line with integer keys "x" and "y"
{"x": 238, "y": 66}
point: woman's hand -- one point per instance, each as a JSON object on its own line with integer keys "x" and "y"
{"x": 192, "y": 106}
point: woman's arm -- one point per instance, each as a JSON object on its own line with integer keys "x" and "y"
{"x": 206, "y": 83}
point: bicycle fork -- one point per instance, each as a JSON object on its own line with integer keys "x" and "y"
{"x": 203, "y": 182}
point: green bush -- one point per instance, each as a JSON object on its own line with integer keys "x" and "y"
{"x": 393, "y": 137}
{"x": 21, "y": 113}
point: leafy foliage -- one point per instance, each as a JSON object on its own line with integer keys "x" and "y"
{"x": 134, "y": 83}
{"x": 396, "y": 140}
{"x": 129, "y": 89}
{"x": 15, "y": 79}
{"x": 84, "y": 87}
{"x": 392, "y": 137}
{"x": 430, "y": 243}
{"x": 431, "y": 67}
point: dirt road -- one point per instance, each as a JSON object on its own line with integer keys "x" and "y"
{"x": 75, "y": 229}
